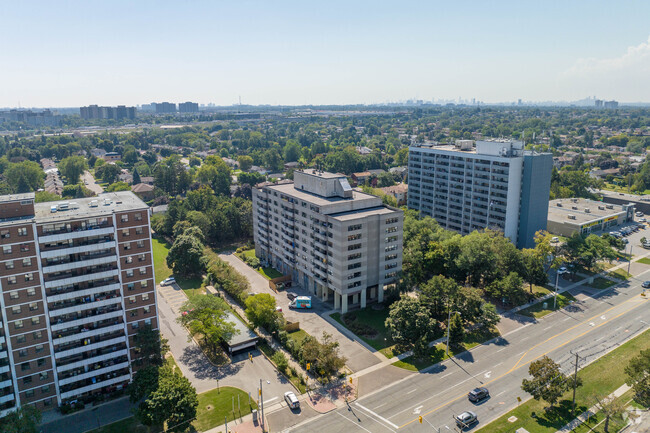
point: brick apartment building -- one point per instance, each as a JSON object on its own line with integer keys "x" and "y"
{"x": 77, "y": 282}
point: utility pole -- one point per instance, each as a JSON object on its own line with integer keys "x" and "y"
{"x": 575, "y": 385}
{"x": 557, "y": 277}
{"x": 262, "y": 406}
{"x": 226, "y": 423}
{"x": 629, "y": 260}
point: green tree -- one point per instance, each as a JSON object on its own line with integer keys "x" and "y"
{"x": 385, "y": 179}
{"x": 72, "y": 168}
{"x": 245, "y": 162}
{"x": 456, "y": 330}
{"x": 136, "y": 177}
{"x": 291, "y": 151}
{"x": 637, "y": 374}
{"x": 25, "y": 176}
{"x": 489, "y": 316}
{"x": 533, "y": 269}
{"x": 118, "y": 186}
{"x": 44, "y": 196}
{"x": 216, "y": 174}
{"x": 185, "y": 257}
{"x": 261, "y": 312}
{"x": 610, "y": 407}
{"x": 25, "y": 419}
{"x": 402, "y": 156}
{"x": 438, "y": 294}
{"x": 109, "y": 173}
{"x": 548, "y": 383}
{"x": 129, "y": 155}
{"x": 324, "y": 355}
{"x": 207, "y": 316}
{"x": 410, "y": 325}
{"x": 150, "y": 346}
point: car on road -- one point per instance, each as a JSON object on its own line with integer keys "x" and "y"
{"x": 292, "y": 400}
{"x": 466, "y": 419}
{"x": 292, "y": 295}
{"x": 645, "y": 284}
{"x": 563, "y": 270}
{"x": 639, "y": 214}
{"x": 555, "y": 239}
{"x": 478, "y": 394}
{"x": 168, "y": 281}
{"x": 641, "y": 220}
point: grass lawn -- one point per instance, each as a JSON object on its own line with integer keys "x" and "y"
{"x": 216, "y": 404}
{"x": 369, "y": 325}
{"x": 269, "y": 273}
{"x": 126, "y": 425}
{"x": 599, "y": 378}
{"x": 437, "y": 353}
{"x": 601, "y": 283}
{"x": 620, "y": 274}
{"x": 248, "y": 253}
{"x": 298, "y": 336}
{"x": 160, "y": 251}
{"x": 538, "y": 310}
{"x": 644, "y": 260}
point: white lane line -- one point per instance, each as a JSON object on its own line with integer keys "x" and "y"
{"x": 620, "y": 327}
{"x": 501, "y": 350}
{"x": 360, "y": 426}
{"x": 448, "y": 374}
{"x": 547, "y": 328}
{"x": 499, "y": 393}
{"x": 568, "y": 318}
{"x": 598, "y": 339}
{"x": 525, "y": 338}
{"x": 270, "y": 399}
{"x": 499, "y": 364}
{"x": 377, "y": 416}
{"x": 413, "y": 390}
{"x": 383, "y": 404}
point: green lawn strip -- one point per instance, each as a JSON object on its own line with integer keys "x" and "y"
{"x": 160, "y": 250}
{"x": 216, "y": 405}
{"x": 298, "y": 336}
{"x": 644, "y": 260}
{"x": 601, "y": 283}
{"x": 378, "y": 336}
{"x": 600, "y": 378}
{"x": 538, "y": 310}
{"x": 437, "y": 353}
{"x": 295, "y": 380}
{"x": 269, "y": 273}
{"x": 620, "y": 274}
{"x": 172, "y": 363}
{"x": 129, "y": 424}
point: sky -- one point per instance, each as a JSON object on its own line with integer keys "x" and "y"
{"x": 75, "y": 53}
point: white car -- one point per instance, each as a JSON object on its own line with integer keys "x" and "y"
{"x": 562, "y": 270}
{"x": 555, "y": 239}
{"x": 168, "y": 281}
{"x": 292, "y": 400}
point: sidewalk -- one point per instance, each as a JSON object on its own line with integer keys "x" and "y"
{"x": 592, "y": 411}
{"x": 89, "y": 418}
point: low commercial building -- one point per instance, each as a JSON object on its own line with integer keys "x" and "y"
{"x": 578, "y": 215}
{"x": 244, "y": 338}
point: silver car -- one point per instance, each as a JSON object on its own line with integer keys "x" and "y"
{"x": 466, "y": 419}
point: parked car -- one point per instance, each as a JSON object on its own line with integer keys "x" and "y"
{"x": 639, "y": 214}
{"x": 625, "y": 241}
{"x": 555, "y": 239}
{"x": 292, "y": 295}
{"x": 562, "y": 270}
{"x": 168, "y": 281}
{"x": 641, "y": 220}
{"x": 292, "y": 400}
{"x": 466, "y": 419}
{"x": 645, "y": 284}
{"x": 478, "y": 394}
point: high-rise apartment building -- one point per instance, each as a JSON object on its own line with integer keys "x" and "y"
{"x": 488, "y": 184}
{"x": 333, "y": 240}
{"x": 165, "y": 108}
{"x": 97, "y": 112}
{"x": 188, "y": 107}
{"x": 77, "y": 282}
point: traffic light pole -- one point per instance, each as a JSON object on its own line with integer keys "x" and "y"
{"x": 262, "y": 406}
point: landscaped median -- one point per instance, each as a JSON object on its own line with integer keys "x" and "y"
{"x": 600, "y": 378}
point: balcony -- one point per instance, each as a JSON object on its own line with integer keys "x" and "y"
{"x": 79, "y": 347}
{"x": 120, "y": 379}
{"x": 82, "y": 278}
{"x": 70, "y": 294}
{"x": 70, "y": 335}
{"x": 78, "y": 249}
{"x": 93, "y": 373}
{"x": 99, "y": 302}
{"x": 90, "y": 318}
{"x": 103, "y": 355}
{"x": 66, "y": 234}
{"x": 108, "y": 257}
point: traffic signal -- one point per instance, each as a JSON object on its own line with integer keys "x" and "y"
{"x": 308, "y": 366}
{"x": 350, "y": 381}
{"x": 420, "y": 419}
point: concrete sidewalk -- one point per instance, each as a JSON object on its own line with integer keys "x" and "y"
{"x": 592, "y": 411}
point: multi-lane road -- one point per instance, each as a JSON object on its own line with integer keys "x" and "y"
{"x": 590, "y": 327}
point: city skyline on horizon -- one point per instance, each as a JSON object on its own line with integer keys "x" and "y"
{"x": 76, "y": 54}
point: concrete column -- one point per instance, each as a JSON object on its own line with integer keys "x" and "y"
{"x": 344, "y": 306}
{"x": 355, "y": 298}
{"x": 373, "y": 293}
{"x": 380, "y": 293}
{"x": 337, "y": 301}
{"x": 363, "y": 298}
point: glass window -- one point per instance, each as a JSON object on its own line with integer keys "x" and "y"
{"x": 33, "y": 306}
{"x": 36, "y": 320}
{"x": 9, "y": 264}
{"x": 22, "y": 231}
{"x": 14, "y": 295}
{"x": 31, "y": 292}
{"x": 27, "y": 262}
{"x": 16, "y": 309}
{"x": 18, "y": 324}
{"x": 6, "y": 249}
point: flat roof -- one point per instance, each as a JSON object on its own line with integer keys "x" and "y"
{"x": 362, "y": 213}
{"x": 289, "y": 189}
{"x": 322, "y": 174}
{"x": 121, "y": 201}
{"x": 244, "y": 335}
{"x": 561, "y": 213}
{"x": 16, "y": 197}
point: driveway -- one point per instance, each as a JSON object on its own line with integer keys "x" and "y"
{"x": 312, "y": 321}
{"x": 90, "y": 183}
{"x": 241, "y": 373}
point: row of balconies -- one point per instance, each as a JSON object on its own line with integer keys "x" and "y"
{"x": 87, "y": 343}
{"x": 72, "y": 243}
{"x": 69, "y": 291}
{"x": 91, "y": 357}
{"x": 109, "y": 265}
{"x": 88, "y": 301}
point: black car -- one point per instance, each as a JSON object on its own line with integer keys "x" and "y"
{"x": 645, "y": 284}
{"x": 292, "y": 296}
{"x": 478, "y": 394}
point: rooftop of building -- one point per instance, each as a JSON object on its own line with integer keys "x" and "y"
{"x": 16, "y": 197}
{"x": 288, "y": 188}
{"x": 323, "y": 174}
{"x": 583, "y": 209}
{"x": 244, "y": 334}
{"x": 362, "y": 213}
{"x": 107, "y": 204}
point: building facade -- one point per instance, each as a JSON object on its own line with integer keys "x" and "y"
{"x": 484, "y": 185}
{"x": 165, "y": 107}
{"x": 579, "y": 215}
{"x": 334, "y": 241}
{"x": 117, "y": 113}
{"x": 188, "y": 107}
{"x": 77, "y": 282}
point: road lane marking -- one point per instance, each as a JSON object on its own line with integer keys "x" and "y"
{"x": 620, "y": 327}
{"x": 377, "y": 416}
{"x": 413, "y": 390}
{"x": 568, "y": 318}
{"x": 488, "y": 374}
{"x": 417, "y": 410}
{"x": 517, "y": 366}
{"x": 499, "y": 393}
{"x": 448, "y": 374}
{"x": 270, "y": 399}
{"x": 383, "y": 404}
{"x": 500, "y": 350}
{"x": 345, "y": 417}
{"x": 547, "y": 328}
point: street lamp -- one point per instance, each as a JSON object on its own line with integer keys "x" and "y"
{"x": 629, "y": 260}
{"x": 448, "y": 322}
{"x": 557, "y": 276}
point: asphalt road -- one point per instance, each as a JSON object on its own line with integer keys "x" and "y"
{"x": 90, "y": 183}
{"x": 590, "y": 327}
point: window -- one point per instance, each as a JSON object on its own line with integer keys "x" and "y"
{"x": 127, "y": 246}
{"x": 391, "y": 239}
{"x": 144, "y": 283}
{"x": 134, "y": 313}
{"x": 40, "y": 362}
{"x": 129, "y": 272}
{"x": 391, "y": 266}
{"x": 46, "y": 390}
{"x": 125, "y": 218}
{"x": 21, "y": 339}
{"x": 27, "y": 379}
{"x": 354, "y": 266}
{"x": 33, "y": 306}
{"x": 14, "y": 295}
{"x": 391, "y": 229}
{"x": 6, "y": 249}
{"x": 140, "y": 244}
{"x": 125, "y": 233}
{"x": 43, "y": 375}
{"x": 11, "y": 280}
{"x": 354, "y": 227}
{"x": 138, "y": 217}
{"x": 16, "y": 309}
{"x": 4, "y": 234}
{"x": 142, "y": 258}
{"x": 36, "y": 320}
{"x": 145, "y": 297}
{"x": 130, "y": 286}
{"x": 39, "y": 348}
{"x": 27, "y": 262}
{"x": 146, "y": 310}
{"x": 18, "y": 324}
{"x": 354, "y": 237}
{"x": 391, "y": 275}
{"x": 143, "y": 271}
{"x": 354, "y": 247}
{"x": 128, "y": 259}
{"x": 29, "y": 393}
{"x": 390, "y": 248}
{"x": 147, "y": 322}
{"x": 37, "y": 335}
{"x": 390, "y": 257}
{"x": 22, "y": 353}
{"x": 25, "y": 366}
{"x": 354, "y": 256}
{"x": 31, "y": 292}
{"x": 392, "y": 220}
{"x": 135, "y": 325}
{"x": 132, "y": 300}
{"x": 139, "y": 230}
{"x": 24, "y": 247}
{"x": 22, "y": 231}
{"x": 9, "y": 264}
{"x": 29, "y": 277}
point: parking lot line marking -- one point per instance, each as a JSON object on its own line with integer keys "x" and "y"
{"x": 377, "y": 415}
{"x": 413, "y": 390}
{"x": 448, "y": 374}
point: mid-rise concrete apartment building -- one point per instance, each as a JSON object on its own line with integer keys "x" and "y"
{"x": 77, "y": 282}
{"x": 493, "y": 184}
{"x": 333, "y": 240}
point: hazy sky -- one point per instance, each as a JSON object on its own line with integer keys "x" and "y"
{"x": 72, "y": 53}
